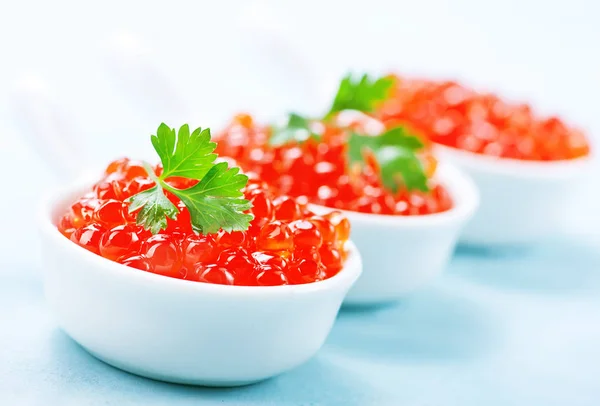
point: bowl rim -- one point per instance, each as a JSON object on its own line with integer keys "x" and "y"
{"x": 49, "y": 204}
{"x": 462, "y": 189}
{"x": 539, "y": 170}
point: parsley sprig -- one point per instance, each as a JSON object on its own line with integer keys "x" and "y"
{"x": 395, "y": 151}
{"x": 215, "y": 202}
{"x": 363, "y": 94}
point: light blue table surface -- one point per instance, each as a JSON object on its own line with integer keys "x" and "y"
{"x": 499, "y": 328}
{"x": 520, "y": 329}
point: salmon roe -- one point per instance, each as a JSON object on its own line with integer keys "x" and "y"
{"x": 456, "y": 116}
{"x": 317, "y": 171}
{"x": 285, "y": 244}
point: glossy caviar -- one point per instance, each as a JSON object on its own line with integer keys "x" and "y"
{"x": 285, "y": 244}
{"x": 318, "y": 171}
{"x": 456, "y": 116}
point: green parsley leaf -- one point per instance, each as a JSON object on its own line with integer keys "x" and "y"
{"x": 395, "y": 151}
{"x": 215, "y": 202}
{"x": 357, "y": 143}
{"x": 400, "y": 136}
{"x": 362, "y": 95}
{"x": 401, "y": 165}
{"x": 184, "y": 155}
{"x": 297, "y": 121}
{"x": 155, "y": 209}
{"x": 297, "y": 129}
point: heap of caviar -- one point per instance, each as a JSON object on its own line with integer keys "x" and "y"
{"x": 456, "y": 116}
{"x": 318, "y": 169}
{"x": 284, "y": 242}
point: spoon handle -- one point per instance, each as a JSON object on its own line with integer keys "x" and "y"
{"x": 271, "y": 58}
{"x": 274, "y": 56}
{"x": 48, "y": 128}
{"x": 131, "y": 66}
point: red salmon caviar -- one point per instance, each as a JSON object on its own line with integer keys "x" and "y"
{"x": 317, "y": 171}
{"x": 453, "y": 115}
{"x": 306, "y": 234}
{"x": 213, "y": 273}
{"x": 137, "y": 261}
{"x": 118, "y": 241}
{"x": 88, "y": 237}
{"x": 285, "y": 244}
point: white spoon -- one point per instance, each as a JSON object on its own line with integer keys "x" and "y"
{"x": 181, "y": 331}
{"x": 164, "y": 328}
{"x": 521, "y": 202}
{"x": 402, "y": 254}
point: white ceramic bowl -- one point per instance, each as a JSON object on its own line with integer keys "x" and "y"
{"x": 403, "y": 253}
{"x": 521, "y": 201}
{"x": 181, "y": 331}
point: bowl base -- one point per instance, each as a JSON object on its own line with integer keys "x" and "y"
{"x": 173, "y": 379}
